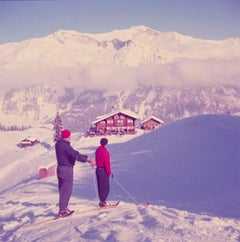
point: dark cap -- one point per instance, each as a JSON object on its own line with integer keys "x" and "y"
{"x": 104, "y": 142}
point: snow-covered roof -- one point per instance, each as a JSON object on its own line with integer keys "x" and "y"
{"x": 153, "y": 117}
{"x": 30, "y": 138}
{"x": 123, "y": 111}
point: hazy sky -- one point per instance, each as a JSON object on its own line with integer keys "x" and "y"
{"x": 207, "y": 19}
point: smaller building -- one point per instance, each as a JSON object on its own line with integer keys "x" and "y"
{"x": 151, "y": 123}
{"x": 29, "y": 141}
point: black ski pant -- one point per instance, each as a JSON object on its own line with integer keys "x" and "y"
{"x": 65, "y": 185}
{"x": 103, "y": 184}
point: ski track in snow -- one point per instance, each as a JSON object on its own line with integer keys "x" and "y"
{"x": 128, "y": 222}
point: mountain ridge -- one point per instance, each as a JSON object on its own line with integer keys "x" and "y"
{"x": 132, "y": 47}
{"x": 169, "y": 75}
{"x": 37, "y": 105}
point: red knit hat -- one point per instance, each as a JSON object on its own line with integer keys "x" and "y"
{"x": 65, "y": 133}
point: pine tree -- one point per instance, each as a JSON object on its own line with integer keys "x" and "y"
{"x": 57, "y": 128}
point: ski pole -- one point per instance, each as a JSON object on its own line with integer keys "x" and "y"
{"x": 94, "y": 182}
{"x": 125, "y": 190}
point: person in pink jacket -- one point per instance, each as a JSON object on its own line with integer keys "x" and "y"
{"x": 103, "y": 171}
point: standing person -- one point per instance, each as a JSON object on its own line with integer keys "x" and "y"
{"x": 66, "y": 157}
{"x": 103, "y": 171}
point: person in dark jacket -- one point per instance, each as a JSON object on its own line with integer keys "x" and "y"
{"x": 66, "y": 157}
{"x": 103, "y": 171}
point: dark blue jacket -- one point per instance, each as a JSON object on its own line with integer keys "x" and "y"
{"x": 66, "y": 155}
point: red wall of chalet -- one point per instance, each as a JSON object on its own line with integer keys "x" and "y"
{"x": 150, "y": 124}
{"x": 118, "y": 120}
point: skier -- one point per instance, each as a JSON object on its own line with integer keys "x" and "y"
{"x": 103, "y": 171}
{"x": 66, "y": 157}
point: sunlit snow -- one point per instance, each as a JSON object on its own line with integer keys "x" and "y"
{"x": 187, "y": 171}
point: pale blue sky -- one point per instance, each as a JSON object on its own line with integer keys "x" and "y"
{"x": 206, "y": 19}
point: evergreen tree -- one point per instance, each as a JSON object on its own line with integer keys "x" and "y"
{"x": 57, "y": 128}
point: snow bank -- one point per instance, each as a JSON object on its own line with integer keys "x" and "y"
{"x": 192, "y": 164}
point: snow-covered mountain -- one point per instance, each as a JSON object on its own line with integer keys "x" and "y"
{"x": 120, "y": 56}
{"x": 82, "y": 75}
{"x": 135, "y": 46}
{"x": 36, "y": 105}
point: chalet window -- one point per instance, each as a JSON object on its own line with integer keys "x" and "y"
{"x": 110, "y": 121}
{"x": 102, "y": 123}
{"x": 130, "y": 121}
{"x": 120, "y": 121}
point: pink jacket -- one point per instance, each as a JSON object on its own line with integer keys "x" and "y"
{"x": 102, "y": 158}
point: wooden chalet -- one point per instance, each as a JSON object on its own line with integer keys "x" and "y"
{"x": 29, "y": 141}
{"x": 117, "y": 122}
{"x": 151, "y": 123}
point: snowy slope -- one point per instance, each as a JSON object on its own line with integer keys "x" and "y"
{"x": 188, "y": 171}
{"x": 196, "y": 162}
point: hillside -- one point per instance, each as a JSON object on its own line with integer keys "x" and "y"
{"x": 188, "y": 171}
{"x": 37, "y": 105}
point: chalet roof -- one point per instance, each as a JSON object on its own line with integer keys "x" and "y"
{"x": 29, "y": 138}
{"x": 123, "y": 111}
{"x": 154, "y": 118}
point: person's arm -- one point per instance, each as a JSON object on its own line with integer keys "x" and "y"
{"x": 82, "y": 158}
{"x": 76, "y": 155}
{"x": 107, "y": 163}
{"x": 85, "y": 158}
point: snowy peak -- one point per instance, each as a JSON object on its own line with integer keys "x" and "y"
{"x": 132, "y": 32}
{"x": 66, "y": 36}
{"x": 135, "y": 46}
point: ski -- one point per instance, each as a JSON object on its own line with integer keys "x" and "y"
{"x": 48, "y": 220}
{"x": 109, "y": 206}
{"x": 98, "y": 208}
{"x": 74, "y": 214}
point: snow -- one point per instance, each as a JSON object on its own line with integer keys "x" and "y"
{"x": 188, "y": 172}
{"x": 95, "y": 61}
{"x": 123, "y": 111}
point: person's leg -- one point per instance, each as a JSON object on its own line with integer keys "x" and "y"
{"x": 99, "y": 183}
{"x": 106, "y": 187}
{"x": 65, "y": 178}
{"x": 103, "y": 186}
